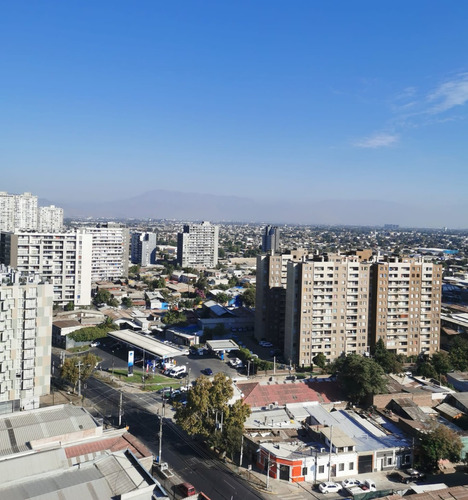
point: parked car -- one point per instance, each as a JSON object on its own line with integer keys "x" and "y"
{"x": 350, "y": 483}
{"x": 329, "y": 487}
{"x": 95, "y": 343}
{"x": 407, "y": 476}
{"x": 207, "y": 371}
{"x": 187, "y": 489}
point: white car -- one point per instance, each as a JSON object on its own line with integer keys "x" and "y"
{"x": 351, "y": 483}
{"x": 329, "y": 487}
{"x": 96, "y": 343}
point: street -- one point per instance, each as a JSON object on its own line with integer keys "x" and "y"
{"x": 189, "y": 461}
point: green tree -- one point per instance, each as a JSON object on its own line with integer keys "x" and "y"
{"x": 71, "y": 369}
{"x": 222, "y": 298}
{"x": 221, "y": 253}
{"x": 320, "y": 360}
{"x": 359, "y": 377}
{"x": 69, "y": 307}
{"x": 208, "y": 415}
{"x": 174, "y": 317}
{"x": 459, "y": 354}
{"x": 103, "y": 296}
{"x": 441, "y": 362}
{"x": 134, "y": 270}
{"x": 425, "y": 369}
{"x": 386, "y": 359}
{"x": 248, "y": 297}
{"x": 440, "y": 443}
{"x": 127, "y": 302}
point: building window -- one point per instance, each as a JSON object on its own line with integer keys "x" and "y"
{"x": 389, "y": 460}
{"x": 321, "y": 469}
{"x": 304, "y": 471}
{"x": 351, "y": 466}
{"x": 341, "y": 467}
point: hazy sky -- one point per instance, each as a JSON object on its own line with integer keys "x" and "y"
{"x": 289, "y": 100}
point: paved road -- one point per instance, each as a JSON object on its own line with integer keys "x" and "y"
{"x": 190, "y": 461}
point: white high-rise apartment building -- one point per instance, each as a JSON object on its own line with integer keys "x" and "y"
{"x": 21, "y": 212}
{"x": 62, "y": 259}
{"x": 197, "y": 245}
{"x": 18, "y": 211}
{"x": 110, "y": 251}
{"x": 25, "y": 345}
{"x": 50, "y": 219}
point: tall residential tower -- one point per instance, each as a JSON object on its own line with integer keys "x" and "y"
{"x": 197, "y": 245}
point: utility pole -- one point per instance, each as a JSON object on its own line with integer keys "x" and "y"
{"x": 79, "y": 365}
{"x": 161, "y": 415}
{"x": 268, "y": 473}
{"x": 274, "y": 365}
{"x": 120, "y": 410}
{"x": 241, "y": 451}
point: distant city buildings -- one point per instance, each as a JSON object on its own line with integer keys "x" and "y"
{"x": 271, "y": 239}
{"x": 50, "y": 219}
{"x": 25, "y": 345}
{"x": 143, "y": 248}
{"x": 21, "y": 212}
{"x": 61, "y": 259}
{"x": 197, "y": 245}
{"x": 110, "y": 251}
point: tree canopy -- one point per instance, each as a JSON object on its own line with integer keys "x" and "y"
{"x": 441, "y": 443}
{"x": 174, "y": 317}
{"x": 71, "y": 369}
{"x": 103, "y": 296}
{"x": 359, "y": 376}
{"x": 389, "y": 361}
{"x": 208, "y": 414}
{"x": 248, "y": 297}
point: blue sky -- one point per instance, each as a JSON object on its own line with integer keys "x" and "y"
{"x": 290, "y": 101}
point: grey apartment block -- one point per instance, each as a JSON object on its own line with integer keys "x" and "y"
{"x": 143, "y": 248}
{"x": 25, "y": 345}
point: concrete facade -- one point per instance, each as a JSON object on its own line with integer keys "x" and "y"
{"x": 197, "y": 245}
{"x": 143, "y": 249}
{"x": 62, "y": 259}
{"x": 25, "y": 345}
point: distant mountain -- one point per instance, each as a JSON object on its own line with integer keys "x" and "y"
{"x": 163, "y": 204}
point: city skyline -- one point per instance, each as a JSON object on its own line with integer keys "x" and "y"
{"x": 346, "y": 111}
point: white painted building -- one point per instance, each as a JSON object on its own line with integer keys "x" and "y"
{"x": 62, "y": 259}
{"x": 50, "y": 219}
{"x": 110, "y": 249}
{"x": 197, "y": 245}
{"x": 25, "y": 345}
{"x": 18, "y": 211}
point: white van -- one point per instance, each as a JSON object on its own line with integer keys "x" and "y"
{"x": 177, "y": 371}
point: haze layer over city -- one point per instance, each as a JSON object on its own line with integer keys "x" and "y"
{"x": 299, "y": 113}
{"x": 233, "y": 250}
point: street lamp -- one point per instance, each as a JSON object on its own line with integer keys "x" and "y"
{"x": 112, "y": 363}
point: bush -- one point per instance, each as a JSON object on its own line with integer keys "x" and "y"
{"x": 91, "y": 333}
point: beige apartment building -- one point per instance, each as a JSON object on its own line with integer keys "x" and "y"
{"x": 407, "y": 304}
{"x": 327, "y": 308}
{"x": 270, "y": 299}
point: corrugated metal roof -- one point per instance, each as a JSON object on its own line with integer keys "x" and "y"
{"x": 18, "y": 430}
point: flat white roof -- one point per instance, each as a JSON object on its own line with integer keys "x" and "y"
{"x": 222, "y": 345}
{"x": 147, "y": 343}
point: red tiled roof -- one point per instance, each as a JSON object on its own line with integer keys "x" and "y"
{"x": 123, "y": 442}
{"x": 258, "y": 394}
